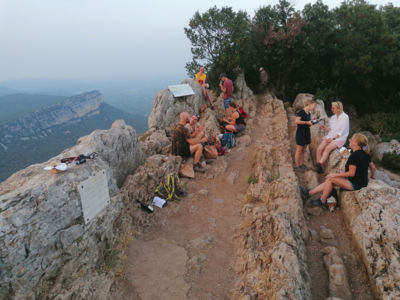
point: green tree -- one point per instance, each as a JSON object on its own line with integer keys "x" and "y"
{"x": 367, "y": 67}
{"x": 220, "y": 41}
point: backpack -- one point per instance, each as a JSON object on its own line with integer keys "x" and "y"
{"x": 242, "y": 112}
{"x": 228, "y": 140}
{"x": 171, "y": 189}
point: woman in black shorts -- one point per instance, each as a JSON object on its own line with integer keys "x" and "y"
{"x": 303, "y": 135}
{"x": 355, "y": 176}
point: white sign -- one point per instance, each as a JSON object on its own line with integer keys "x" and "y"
{"x": 180, "y": 90}
{"x": 94, "y": 195}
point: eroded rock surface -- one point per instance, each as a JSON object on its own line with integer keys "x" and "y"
{"x": 372, "y": 215}
{"x": 46, "y": 246}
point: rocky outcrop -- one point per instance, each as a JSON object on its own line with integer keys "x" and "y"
{"x": 372, "y": 215}
{"x": 387, "y": 147}
{"x": 271, "y": 255}
{"x": 37, "y": 123}
{"x": 47, "y": 247}
{"x": 166, "y": 108}
{"x": 242, "y": 91}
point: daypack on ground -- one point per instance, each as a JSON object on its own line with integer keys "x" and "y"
{"x": 228, "y": 140}
{"x": 171, "y": 189}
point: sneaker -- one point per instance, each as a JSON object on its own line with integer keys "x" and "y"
{"x": 300, "y": 168}
{"x": 199, "y": 168}
{"x": 304, "y": 192}
{"x": 319, "y": 168}
{"x": 317, "y": 203}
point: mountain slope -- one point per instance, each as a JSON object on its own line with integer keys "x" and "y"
{"x": 46, "y": 132}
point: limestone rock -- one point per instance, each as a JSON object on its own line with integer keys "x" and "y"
{"x": 154, "y": 142}
{"x": 186, "y": 170}
{"x": 387, "y": 147}
{"x": 231, "y": 178}
{"x": 372, "y": 215}
{"x": 242, "y": 91}
{"x": 166, "y": 108}
{"x": 43, "y": 235}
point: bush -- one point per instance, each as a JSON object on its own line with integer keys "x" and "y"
{"x": 387, "y": 125}
{"x": 391, "y": 161}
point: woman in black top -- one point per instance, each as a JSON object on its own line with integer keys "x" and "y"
{"x": 355, "y": 176}
{"x": 236, "y": 123}
{"x": 303, "y": 135}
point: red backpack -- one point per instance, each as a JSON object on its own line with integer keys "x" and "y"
{"x": 242, "y": 112}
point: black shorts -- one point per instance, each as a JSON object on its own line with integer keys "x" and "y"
{"x": 303, "y": 139}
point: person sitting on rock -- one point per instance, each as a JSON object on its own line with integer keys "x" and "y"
{"x": 337, "y": 136}
{"x": 355, "y": 176}
{"x": 184, "y": 145}
{"x": 303, "y": 134}
{"x": 195, "y": 129}
{"x": 236, "y": 122}
{"x": 200, "y": 78}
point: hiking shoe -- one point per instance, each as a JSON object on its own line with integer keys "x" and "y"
{"x": 199, "y": 168}
{"x": 317, "y": 203}
{"x": 300, "y": 168}
{"x": 319, "y": 169}
{"x": 304, "y": 192}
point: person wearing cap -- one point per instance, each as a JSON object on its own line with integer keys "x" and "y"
{"x": 184, "y": 145}
{"x": 200, "y": 78}
{"x": 195, "y": 129}
{"x": 226, "y": 86}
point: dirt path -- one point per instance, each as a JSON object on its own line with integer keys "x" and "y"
{"x": 189, "y": 252}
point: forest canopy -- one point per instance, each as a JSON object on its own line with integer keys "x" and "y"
{"x": 350, "y": 53}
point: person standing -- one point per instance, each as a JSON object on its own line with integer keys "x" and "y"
{"x": 226, "y": 86}
{"x": 303, "y": 134}
{"x": 338, "y": 131}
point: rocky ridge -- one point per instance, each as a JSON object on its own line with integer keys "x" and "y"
{"x": 48, "y": 250}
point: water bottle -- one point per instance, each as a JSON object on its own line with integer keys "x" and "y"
{"x": 145, "y": 206}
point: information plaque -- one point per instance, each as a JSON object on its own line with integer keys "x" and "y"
{"x": 180, "y": 90}
{"x": 94, "y": 195}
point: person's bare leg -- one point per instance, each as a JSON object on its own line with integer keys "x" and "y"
{"x": 327, "y": 151}
{"x": 299, "y": 155}
{"x": 230, "y": 128}
{"x": 327, "y": 190}
{"x": 320, "y": 149}
{"x": 317, "y": 189}
{"x": 198, "y": 151}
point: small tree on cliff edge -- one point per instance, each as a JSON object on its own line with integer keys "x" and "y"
{"x": 220, "y": 41}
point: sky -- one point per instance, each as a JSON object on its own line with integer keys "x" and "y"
{"x": 105, "y": 39}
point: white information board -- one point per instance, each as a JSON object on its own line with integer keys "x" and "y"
{"x": 180, "y": 90}
{"x": 94, "y": 195}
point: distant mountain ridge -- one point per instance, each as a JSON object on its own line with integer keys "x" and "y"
{"x": 47, "y": 131}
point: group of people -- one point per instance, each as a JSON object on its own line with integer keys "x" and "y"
{"x": 188, "y": 136}
{"x": 355, "y": 175}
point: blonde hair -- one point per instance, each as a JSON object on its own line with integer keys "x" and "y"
{"x": 308, "y": 101}
{"x": 361, "y": 140}
{"x": 339, "y": 105}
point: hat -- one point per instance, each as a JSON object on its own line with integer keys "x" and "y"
{"x": 222, "y": 75}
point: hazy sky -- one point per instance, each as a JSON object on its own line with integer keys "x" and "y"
{"x": 104, "y": 39}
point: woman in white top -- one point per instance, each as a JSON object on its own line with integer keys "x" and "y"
{"x": 337, "y": 135}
